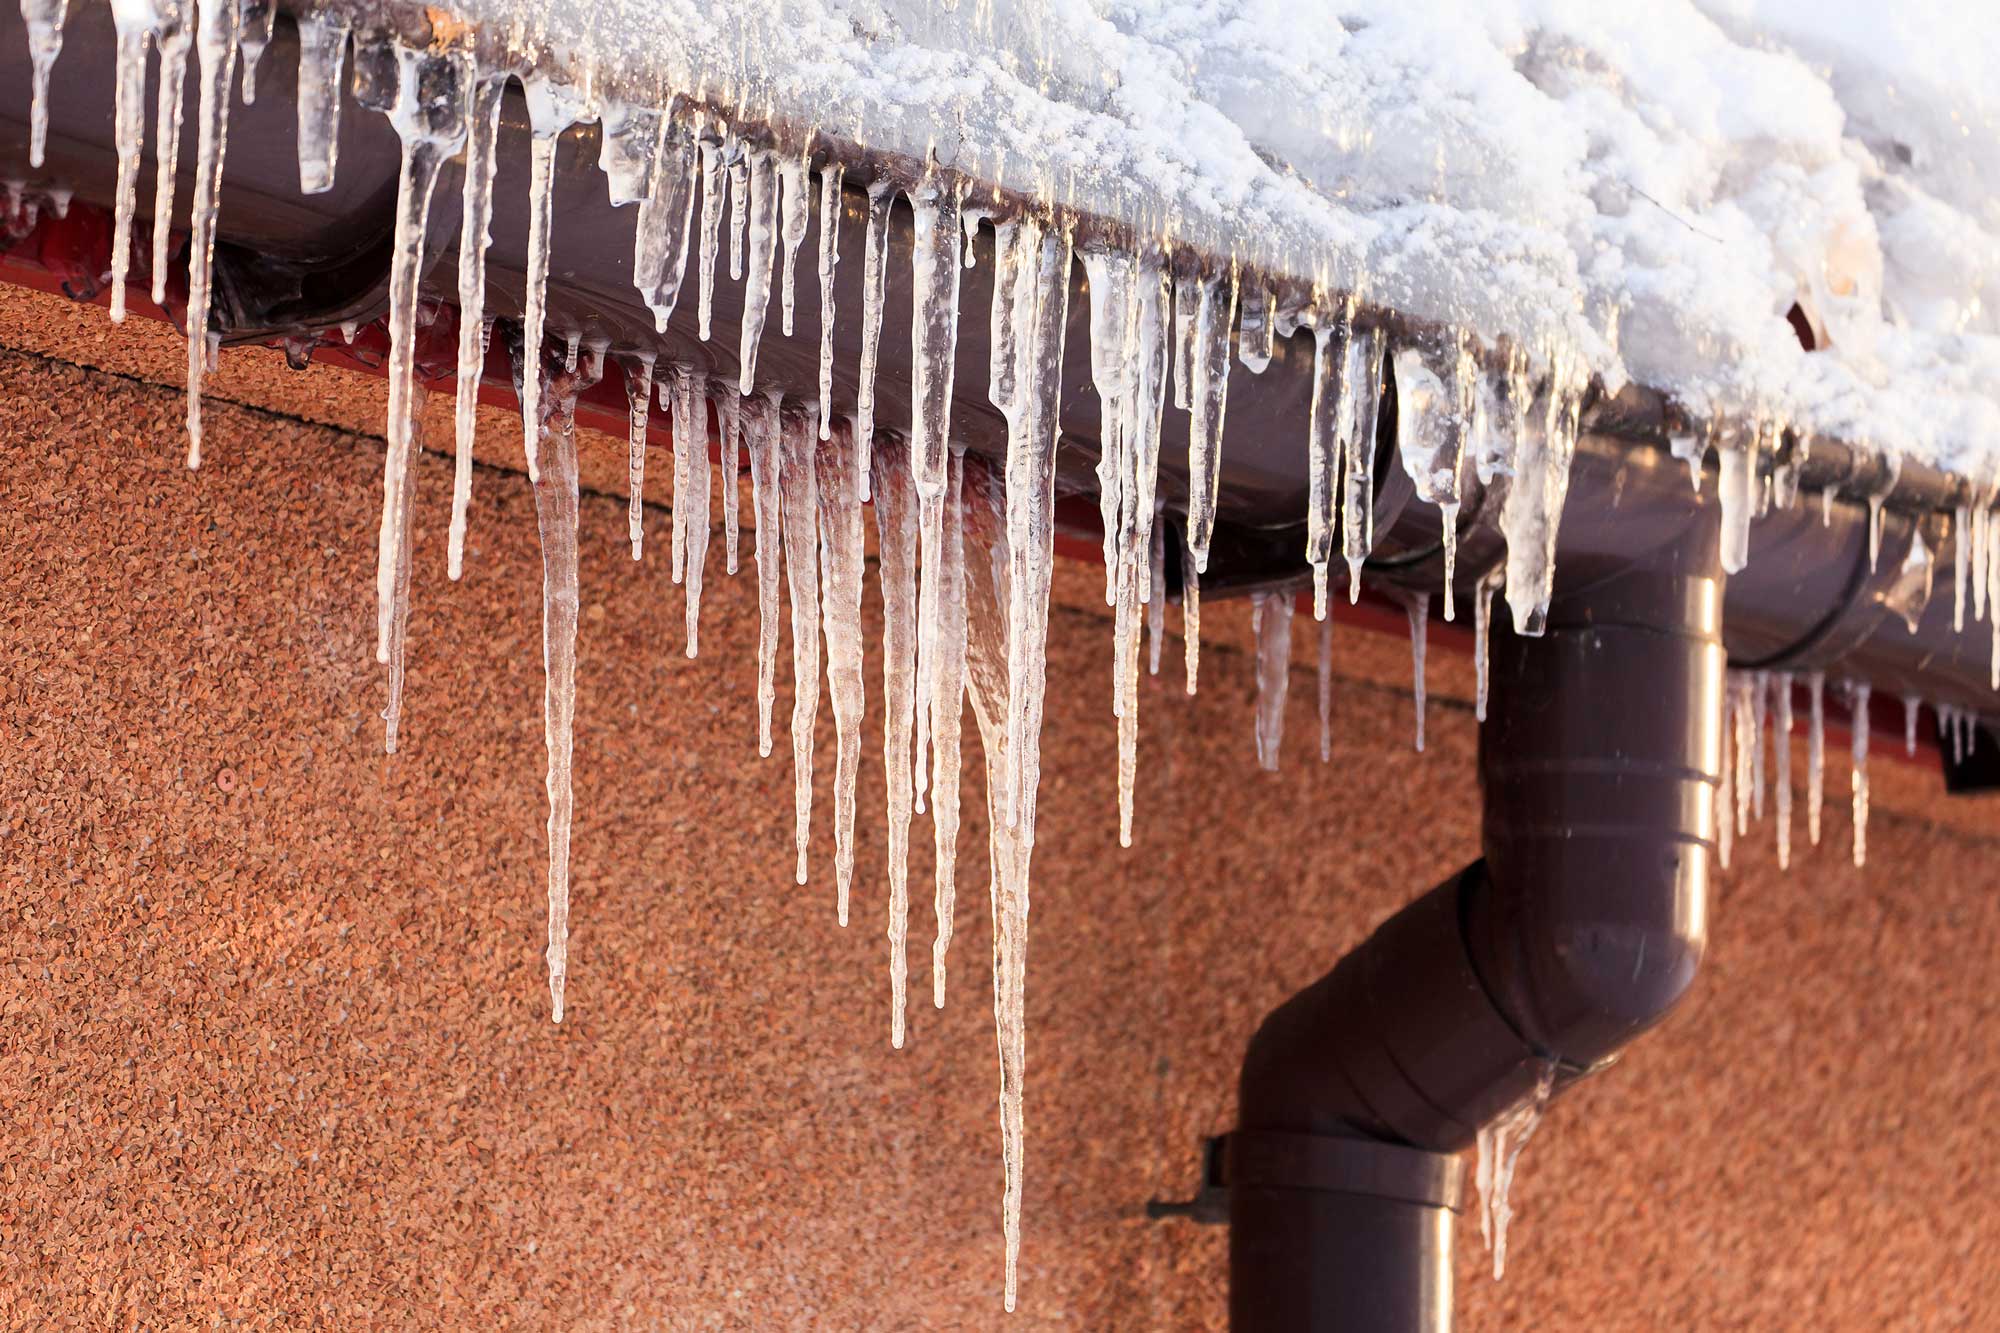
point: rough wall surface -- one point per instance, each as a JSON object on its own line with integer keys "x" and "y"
{"x": 274, "y": 1047}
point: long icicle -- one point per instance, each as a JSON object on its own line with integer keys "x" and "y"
{"x": 399, "y": 628}
{"x": 1190, "y": 616}
{"x": 1781, "y": 699}
{"x": 1215, "y": 314}
{"x": 829, "y": 258}
{"x": 761, "y": 430}
{"x": 638, "y": 413}
{"x": 475, "y": 235}
{"x": 552, "y": 108}
{"x": 794, "y": 213}
{"x": 896, "y": 545}
{"x": 946, "y": 707}
{"x": 322, "y": 51}
{"x": 215, "y": 43}
{"x": 44, "y": 19}
{"x": 934, "y": 268}
{"x": 798, "y": 481}
{"x": 134, "y": 24}
{"x": 1858, "y": 692}
{"x": 1815, "y": 753}
{"x": 1325, "y": 449}
{"x": 841, "y": 543}
{"x": 691, "y": 493}
{"x": 172, "y": 39}
{"x": 763, "y": 241}
{"x": 1271, "y": 628}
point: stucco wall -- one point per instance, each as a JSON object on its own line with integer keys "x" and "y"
{"x": 273, "y": 1031}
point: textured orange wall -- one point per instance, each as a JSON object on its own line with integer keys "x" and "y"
{"x": 273, "y": 1030}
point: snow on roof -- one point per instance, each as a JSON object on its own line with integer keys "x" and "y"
{"x": 1652, "y": 186}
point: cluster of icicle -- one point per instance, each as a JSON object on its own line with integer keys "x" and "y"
{"x": 966, "y": 557}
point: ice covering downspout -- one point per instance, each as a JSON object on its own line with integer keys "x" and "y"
{"x": 1581, "y": 927}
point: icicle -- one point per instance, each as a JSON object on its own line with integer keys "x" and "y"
{"x": 1500, "y": 1146}
{"x": 475, "y": 235}
{"x": 134, "y": 23}
{"x": 426, "y": 108}
{"x": 1858, "y": 704}
{"x": 1186, "y": 288}
{"x": 1735, "y": 480}
{"x": 172, "y": 39}
{"x": 1781, "y": 696}
{"x": 1156, "y": 603}
{"x": 1758, "y": 683}
{"x": 1433, "y": 409}
{"x": 638, "y": 409}
{"x": 794, "y": 211}
{"x": 874, "y": 274}
{"x": 552, "y": 108}
{"x": 399, "y": 625}
{"x": 1529, "y": 517}
{"x": 1190, "y": 615}
{"x": 1215, "y": 311}
{"x": 946, "y": 707}
{"x": 1961, "y": 564}
{"x": 1326, "y": 691}
{"x": 934, "y": 269}
{"x": 690, "y": 531}
{"x": 1912, "y": 704}
{"x": 729, "y": 429}
{"x": 713, "y": 178}
{"x": 1815, "y": 754}
{"x": 1982, "y": 544}
{"x": 1324, "y": 450}
{"x": 841, "y": 560}
{"x": 257, "y": 17}
{"x": 1739, "y": 686}
{"x": 737, "y": 159}
{"x": 1725, "y": 791}
{"x": 1271, "y": 627}
{"x": 216, "y": 45}
{"x": 896, "y": 546}
{"x": 829, "y": 256}
{"x": 1692, "y": 450}
{"x": 1418, "y": 606}
{"x": 1355, "y": 421}
{"x": 1041, "y": 318}
{"x": 797, "y": 479}
{"x": 45, "y": 19}
{"x": 763, "y": 243}
{"x": 1111, "y": 311}
{"x": 1482, "y": 634}
{"x": 761, "y": 432}
{"x": 1254, "y": 341}
{"x": 556, "y": 520}
{"x": 322, "y": 51}
{"x": 666, "y": 219}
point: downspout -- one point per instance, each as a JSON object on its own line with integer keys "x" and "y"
{"x": 1581, "y": 927}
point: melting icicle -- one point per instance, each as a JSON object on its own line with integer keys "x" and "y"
{"x": 1185, "y": 288}
{"x": 215, "y": 43}
{"x": 1271, "y": 627}
{"x": 426, "y": 108}
{"x": 638, "y": 409}
{"x": 1156, "y": 603}
{"x": 1499, "y": 1146}
{"x": 1324, "y": 449}
{"x": 763, "y": 243}
{"x": 1815, "y": 753}
{"x": 45, "y": 19}
{"x": 691, "y": 497}
{"x": 713, "y": 178}
{"x": 797, "y": 479}
{"x": 874, "y": 274}
{"x": 552, "y": 108}
{"x": 1739, "y": 689}
{"x": 1418, "y": 605}
{"x": 1041, "y": 317}
{"x": 1725, "y": 791}
{"x": 399, "y": 625}
{"x": 1912, "y": 704}
{"x": 794, "y": 211}
{"x": 1111, "y": 311}
{"x": 947, "y": 709}
{"x": 1433, "y": 409}
{"x": 1546, "y": 423}
{"x": 1858, "y": 704}
{"x": 172, "y": 39}
{"x": 256, "y": 20}
{"x": 134, "y": 19}
{"x": 1758, "y": 683}
{"x": 666, "y": 218}
{"x": 1482, "y": 635}
{"x": 737, "y": 159}
{"x": 322, "y": 52}
{"x": 475, "y": 235}
{"x": 1254, "y": 333}
{"x": 841, "y": 558}
{"x": 1190, "y": 615}
{"x": 1735, "y": 480}
{"x": 1215, "y": 311}
{"x": 1781, "y": 698}
{"x": 896, "y": 546}
{"x": 1360, "y": 404}
{"x": 829, "y": 256}
{"x": 761, "y": 431}
{"x": 1326, "y": 691}
{"x": 934, "y": 270}
{"x": 1961, "y": 564}
{"x": 729, "y": 430}
{"x": 1692, "y": 450}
